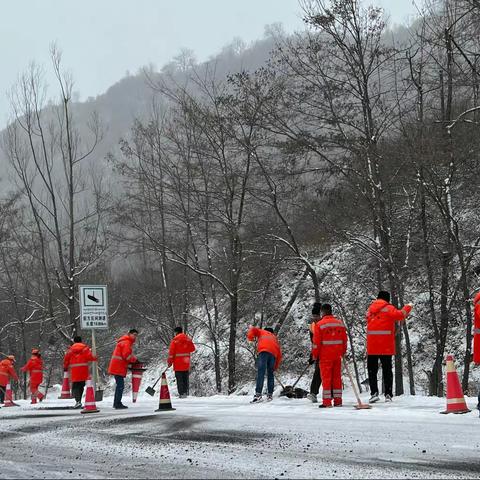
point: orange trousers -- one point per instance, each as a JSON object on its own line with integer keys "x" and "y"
{"x": 331, "y": 372}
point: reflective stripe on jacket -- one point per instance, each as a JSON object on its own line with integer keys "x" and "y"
{"x": 179, "y": 352}
{"x": 267, "y": 342}
{"x": 330, "y": 337}
{"x": 122, "y": 356}
{"x": 381, "y": 318}
{"x": 476, "y": 329}
{"x": 35, "y": 368}
{"x": 77, "y": 360}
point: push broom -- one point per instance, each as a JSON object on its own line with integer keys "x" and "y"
{"x": 360, "y": 405}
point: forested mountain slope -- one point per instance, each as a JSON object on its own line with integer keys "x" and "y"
{"x": 321, "y": 166}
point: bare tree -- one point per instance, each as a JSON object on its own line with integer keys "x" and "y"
{"x": 66, "y": 200}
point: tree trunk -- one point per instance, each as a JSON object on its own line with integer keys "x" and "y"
{"x": 218, "y": 373}
{"x": 399, "y": 390}
{"x": 468, "y": 344}
{"x": 435, "y": 377}
{"x": 444, "y": 312}
{"x": 291, "y": 301}
{"x": 232, "y": 342}
{"x": 408, "y": 349}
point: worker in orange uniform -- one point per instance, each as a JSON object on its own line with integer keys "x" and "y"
{"x": 122, "y": 355}
{"x": 476, "y": 335}
{"x": 316, "y": 379}
{"x": 34, "y": 367}
{"x": 181, "y": 347}
{"x": 77, "y": 360}
{"x": 330, "y": 338}
{"x": 269, "y": 358}
{"x": 382, "y": 317}
{"x": 7, "y": 373}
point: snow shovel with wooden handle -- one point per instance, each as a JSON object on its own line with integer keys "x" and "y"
{"x": 360, "y": 405}
{"x": 151, "y": 390}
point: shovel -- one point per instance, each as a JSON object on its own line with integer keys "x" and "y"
{"x": 151, "y": 390}
{"x": 301, "y": 375}
{"x": 360, "y": 405}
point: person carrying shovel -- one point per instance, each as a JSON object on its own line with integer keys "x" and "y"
{"x": 269, "y": 358}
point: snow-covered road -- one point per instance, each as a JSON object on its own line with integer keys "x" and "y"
{"x": 220, "y": 437}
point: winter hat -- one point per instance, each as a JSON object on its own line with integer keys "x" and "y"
{"x": 316, "y": 308}
{"x": 269, "y": 329}
{"x": 384, "y": 295}
{"x": 326, "y": 309}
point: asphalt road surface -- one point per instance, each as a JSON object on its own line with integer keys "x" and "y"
{"x": 223, "y": 437}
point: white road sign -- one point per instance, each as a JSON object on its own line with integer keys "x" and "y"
{"x": 93, "y": 306}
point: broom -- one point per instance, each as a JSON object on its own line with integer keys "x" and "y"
{"x": 360, "y": 405}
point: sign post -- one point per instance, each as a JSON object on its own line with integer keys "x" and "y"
{"x": 93, "y": 315}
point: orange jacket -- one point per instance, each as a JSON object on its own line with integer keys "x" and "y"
{"x": 267, "y": 342}
{"x": 476, "y": 329}
{"x": 330, "y": 338}
{"x": 35, "y": 368}
{"x": 179, "y": 352}
{"x": 381, "y": 318}
{"x": 122, "y": 355}
{"x": 7, "y": 372}
{"x": 77, "y": 361}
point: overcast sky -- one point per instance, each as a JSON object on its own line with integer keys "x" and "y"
{"x": 102, "y": 39}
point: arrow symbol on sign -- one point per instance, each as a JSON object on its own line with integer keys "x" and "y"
{"x": 93, "y": 298}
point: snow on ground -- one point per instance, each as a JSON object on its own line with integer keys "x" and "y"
{"x": 226, "y": 437}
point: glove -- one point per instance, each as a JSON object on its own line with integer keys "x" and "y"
{"x": 169, "y": 364}
{"x": 311, "y": 360}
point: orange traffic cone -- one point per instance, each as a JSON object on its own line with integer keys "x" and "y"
{"x": 165, "y": 403}
{"x": 9, "y": 397}
{"x": 455, "y": 399}
{"x": 65, "y": 387}
{"x": 137, "y": 374}
{"x": 90, "y": 406}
